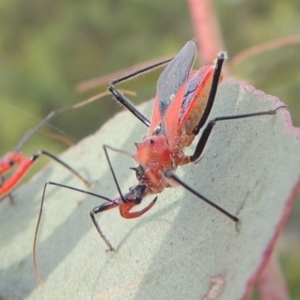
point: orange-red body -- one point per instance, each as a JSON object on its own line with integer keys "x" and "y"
{"x": 182, "y": 105}
{"x": 23, "y": 165}
{"x": 8, "y": 162}
{"x": 162, "y": 148}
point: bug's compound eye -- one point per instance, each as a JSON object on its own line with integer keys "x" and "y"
{"x": 11, "y": 162}
{"x": 137, "y": 193}
{"x": 138, "y": 199}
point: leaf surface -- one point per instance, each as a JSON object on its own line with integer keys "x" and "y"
{"x": 182, "y": 248}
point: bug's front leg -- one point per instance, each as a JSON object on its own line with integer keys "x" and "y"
{"x": 125, "y": 204}
{"x": 125, "y": 209}
{"x": 97, "y": 210}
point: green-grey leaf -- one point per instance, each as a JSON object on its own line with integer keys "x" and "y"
{"x": 182, "y": 248}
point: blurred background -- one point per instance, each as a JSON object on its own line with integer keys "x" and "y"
{"x": 49, "y": 47}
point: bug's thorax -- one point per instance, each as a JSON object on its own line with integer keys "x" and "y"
{"x": 154, "y": 157}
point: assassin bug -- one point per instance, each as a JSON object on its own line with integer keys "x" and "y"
{"x": 181, "y": 108}
{"x": 23, "y": 164}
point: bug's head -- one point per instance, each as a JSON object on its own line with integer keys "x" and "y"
{"x": 9, "y": 160}
{"x": 136, "y": 193}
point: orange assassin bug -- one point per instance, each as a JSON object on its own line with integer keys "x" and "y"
{"x": 181, "y": 108}
{"x": 23, "y": 163}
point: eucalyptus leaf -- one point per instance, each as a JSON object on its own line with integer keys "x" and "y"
{"x": 182, "y": 248}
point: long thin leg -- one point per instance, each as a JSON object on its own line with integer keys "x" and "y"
{"x": 113, "y": 172}
{"x": 10, "y": 196}
{"x": 206, "y": 132}
{"x": 109, "y": 203}
{"x": 172, "y": 175}
{"x": 125, "y": 101}
{"x": 131, "y": 200}
{"x": 135, "y": 195}
{"x": 97, "y": 210}
{"x": 107, "y": 206}
{"x": 213, "y": 91}
{"x": 63, "y": 164}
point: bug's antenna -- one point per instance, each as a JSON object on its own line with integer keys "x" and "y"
{"x": 32, "y": 132}
{"x": 54, "y": 113}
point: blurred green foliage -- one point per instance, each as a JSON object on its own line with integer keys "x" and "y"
{"x": 48, "y": 47}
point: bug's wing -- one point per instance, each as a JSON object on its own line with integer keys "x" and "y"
{"x": 194, "y": 95}
{"x": 199, "y": 97}
{"x": 170, "y": 82}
